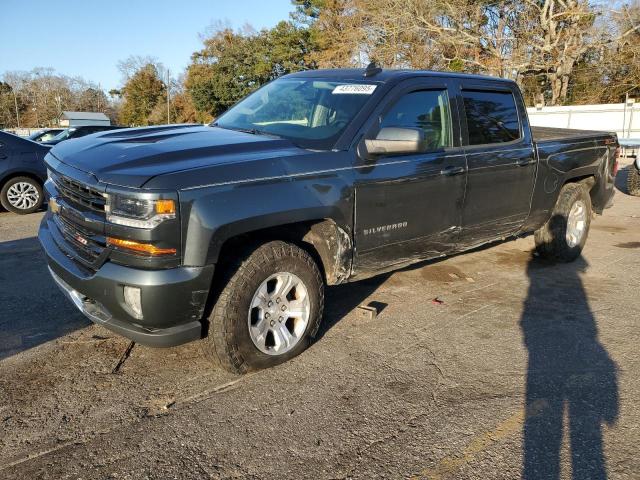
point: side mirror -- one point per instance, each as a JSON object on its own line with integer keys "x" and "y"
{"x": 396, "y": 140}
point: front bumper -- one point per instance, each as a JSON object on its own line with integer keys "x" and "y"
{"x": 173, "y": 300}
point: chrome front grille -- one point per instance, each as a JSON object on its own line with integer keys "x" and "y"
{"x": 79, "y": 193}
{"x": 78, "y": 220}
{"x": 88, "y": 247}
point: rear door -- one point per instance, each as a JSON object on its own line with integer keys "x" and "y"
{"x": 408, "y": 207}
{"x": 500, "y": 158}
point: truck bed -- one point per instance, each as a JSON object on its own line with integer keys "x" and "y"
{"x": 550, "y": 134}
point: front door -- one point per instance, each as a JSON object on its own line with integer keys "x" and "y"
{"x": 408, "y": 207}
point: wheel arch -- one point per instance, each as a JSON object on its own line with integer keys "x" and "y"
{"x": 328, "y": 244}
{"x": 20, "y": 173}
{"x": 595, "y": 185}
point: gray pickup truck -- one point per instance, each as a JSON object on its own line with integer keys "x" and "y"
{"x": 228, "y": 233}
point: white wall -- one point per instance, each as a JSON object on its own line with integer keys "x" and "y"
{"x": 22, "y": 132}
{"x": 608, "y": 117}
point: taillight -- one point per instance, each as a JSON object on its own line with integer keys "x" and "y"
{"x": 615, "y": 161}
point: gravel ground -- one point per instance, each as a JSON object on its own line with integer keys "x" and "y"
{"x": 527, "y": 369}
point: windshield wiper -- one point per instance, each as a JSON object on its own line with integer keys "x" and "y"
{"x": 252, "y": 131}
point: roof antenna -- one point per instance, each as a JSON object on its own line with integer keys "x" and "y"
{"x": 372, "y": 69}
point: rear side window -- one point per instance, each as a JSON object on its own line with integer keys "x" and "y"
{"x": 427, "y": 110}
{"x": 492, "y": 117}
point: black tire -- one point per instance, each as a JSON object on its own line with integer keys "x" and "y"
{"x": 228, "y": 342}
{"x": 633, "y": 181}
{"x": 21, "y": 180}
{"x": 551, "y": 239}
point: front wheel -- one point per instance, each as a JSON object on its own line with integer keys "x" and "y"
{"x": 21, "y": 195}
{"x": 563, "y": 237}
{"x": 269, "y": 309}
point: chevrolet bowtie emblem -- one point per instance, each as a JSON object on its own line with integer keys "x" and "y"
{"x": 54, "y": 206}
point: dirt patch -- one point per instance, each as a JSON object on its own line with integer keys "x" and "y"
{"x": 608, "y": 228}
{"x": 513, "y": 258}
{"x": 628, "y": 245}
{"x": 443, "y": 273}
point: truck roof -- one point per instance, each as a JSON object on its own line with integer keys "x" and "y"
{"x": 386, "y": 75}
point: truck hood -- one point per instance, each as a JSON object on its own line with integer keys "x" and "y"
{"x": 131, "y": 157}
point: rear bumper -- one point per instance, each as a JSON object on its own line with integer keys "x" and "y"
{"x": 173, "y": 300}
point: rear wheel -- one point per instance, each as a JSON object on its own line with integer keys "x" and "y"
{"x": 633, "y": 181}
{"x": 21, "y": 195}
{"x": 563, "y": 237}
{"x": 268, "y": 311}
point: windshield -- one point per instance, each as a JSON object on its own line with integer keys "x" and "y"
{"x": 63, "y": 134}
{"x": 36, "y": 134}
{"x": 45, "y": 136}
{"x": 311, "y": 113}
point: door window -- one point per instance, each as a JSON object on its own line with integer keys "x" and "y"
{"x": 427, "y": 110}
{"x": 492, "y": 117}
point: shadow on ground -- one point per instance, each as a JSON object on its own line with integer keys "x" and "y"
{"x": 33, "y": 310}
{"x": 570, "y": 375}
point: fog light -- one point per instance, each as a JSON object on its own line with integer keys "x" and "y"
{"x": 133, "y": 300}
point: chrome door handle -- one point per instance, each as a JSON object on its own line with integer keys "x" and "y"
{"x": 449, "y": 171}
{"x": 524, "y": 162}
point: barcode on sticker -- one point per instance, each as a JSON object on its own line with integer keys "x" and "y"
{"x": 354, "y": 88}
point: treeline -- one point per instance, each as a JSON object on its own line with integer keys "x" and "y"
{"x": 38, "y": 97}
{"x": 559, "y": 52}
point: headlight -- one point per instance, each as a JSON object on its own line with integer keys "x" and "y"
{"x": 138, "y": 212}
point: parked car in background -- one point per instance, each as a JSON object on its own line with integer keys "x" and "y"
{"x": 45, "y": 135}
{"x": 77, "y": 132}
{"x": 22, "y": 173}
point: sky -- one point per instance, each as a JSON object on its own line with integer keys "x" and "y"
{"x": 87, "y": 38}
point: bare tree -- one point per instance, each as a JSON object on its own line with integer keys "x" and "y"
{"x": 134, "y": 63}
{"x": 543, "y": 39}
{"x": 39, "y": 97}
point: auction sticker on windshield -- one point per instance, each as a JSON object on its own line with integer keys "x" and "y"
{"x": 354, "y": 88}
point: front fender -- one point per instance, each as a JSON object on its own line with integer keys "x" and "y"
{"x": 213, "y": 215}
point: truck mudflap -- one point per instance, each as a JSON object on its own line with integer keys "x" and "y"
{"x": 602, "y": 187}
